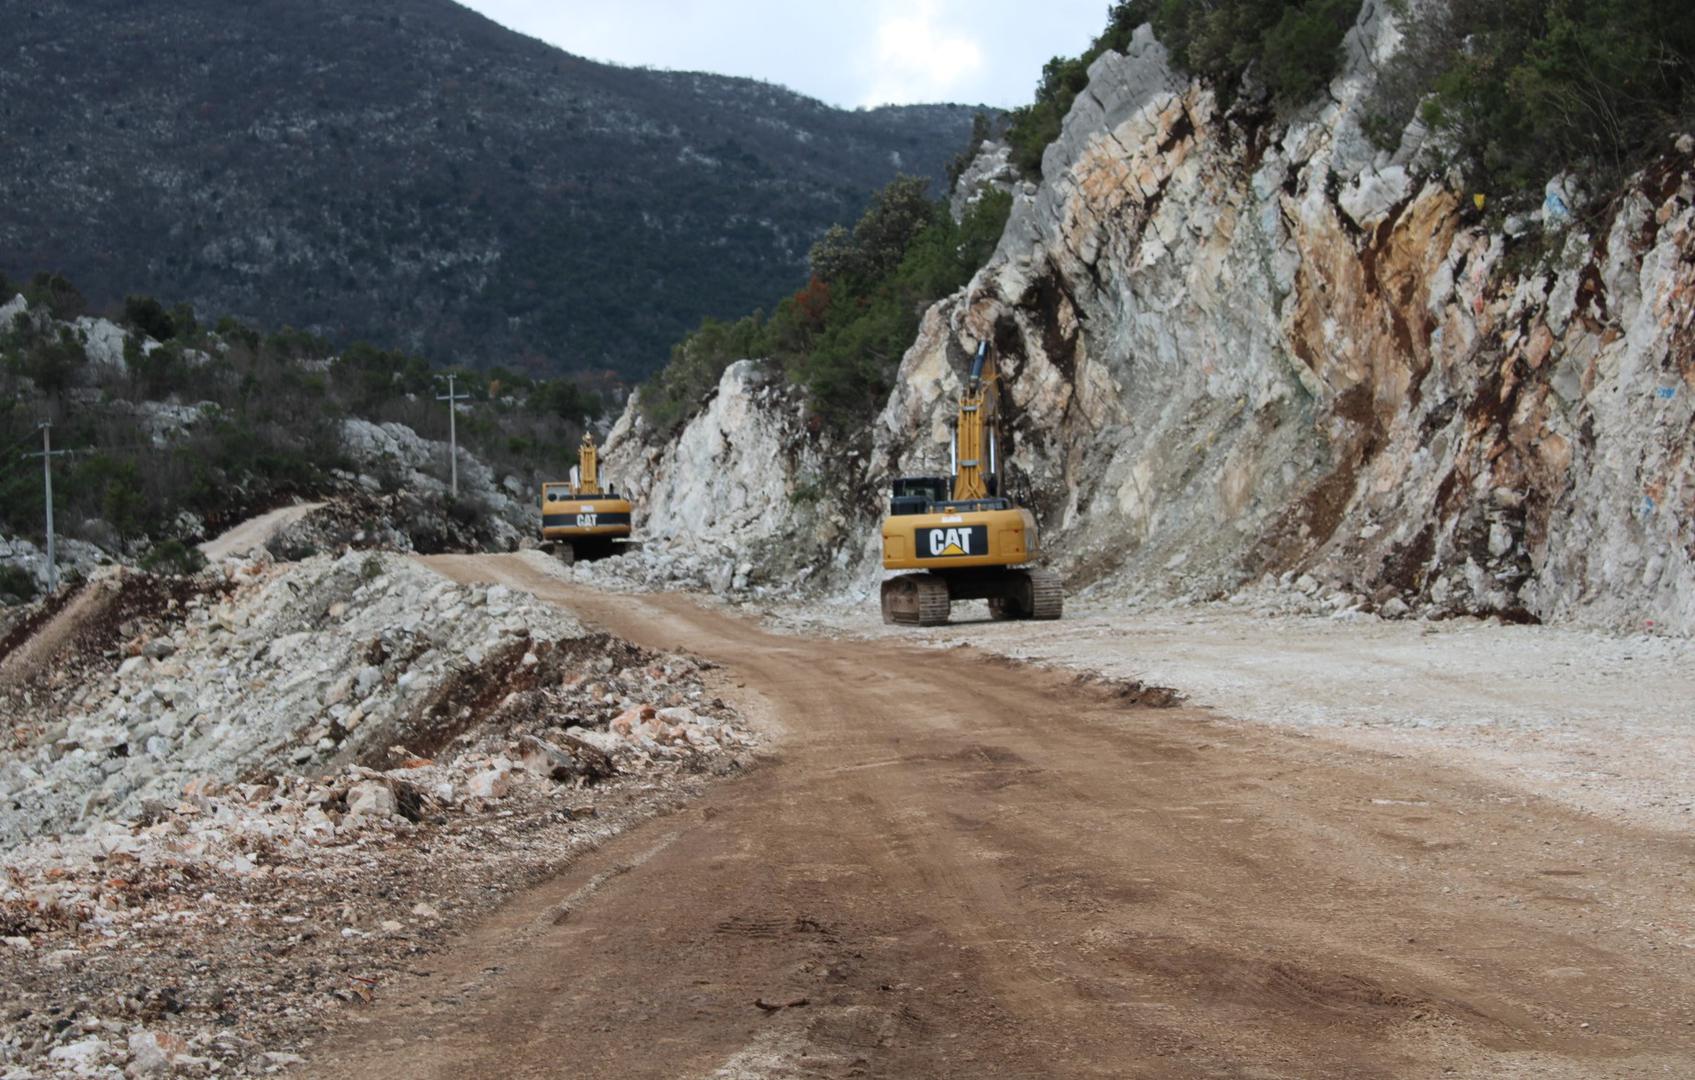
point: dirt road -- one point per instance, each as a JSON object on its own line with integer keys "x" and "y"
{"x": 958, "y": 866}
{"x": 255, "y": 532}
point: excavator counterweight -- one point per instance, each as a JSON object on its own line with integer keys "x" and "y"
{"x": 579, "y": 519}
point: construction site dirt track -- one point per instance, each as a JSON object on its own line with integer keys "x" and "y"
{"x": 951, "y": 866}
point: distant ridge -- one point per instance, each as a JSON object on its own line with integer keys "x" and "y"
{"x": 409, "y": 172}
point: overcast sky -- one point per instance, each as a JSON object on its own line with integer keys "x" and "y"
{"x": 875, "y": 52}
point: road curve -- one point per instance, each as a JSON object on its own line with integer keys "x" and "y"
{"x": 255, "y": 532}
{"x": 955, "y": 866}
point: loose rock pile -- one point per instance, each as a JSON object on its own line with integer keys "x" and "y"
{"x": 281, "y": 785}
{"x": 655, "y": 567}
{"x": 410, "y": 519}
{"x": 1290, "y": 593}
{"x": 291, "y": 667}
{"x": 703, "y": 565}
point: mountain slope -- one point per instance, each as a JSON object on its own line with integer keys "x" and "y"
{"x": 408, "y": 171}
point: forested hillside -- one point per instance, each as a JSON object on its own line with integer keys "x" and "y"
{"x": 178, "y": 429}
{"x": 410, "y": 173}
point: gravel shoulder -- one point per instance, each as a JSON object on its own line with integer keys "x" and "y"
{"x": 1599, "y": 721}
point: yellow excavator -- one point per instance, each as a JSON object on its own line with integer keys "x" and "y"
{"x": 578, "y": 519}
{"x": 963, "y": 536}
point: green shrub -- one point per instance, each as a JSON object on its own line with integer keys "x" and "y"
{"x": 52, "y": 362}
{"x": 57, "y": 295}
{"x": 183, "y": 320}
{"x": 697, "y": 363}
{"x": 17, "y": 585}
{"x": 808, "y": 490}
{"x": 236, "y": 332}
{"x": 160, "y": 373}
{"x": 147, "y": 315}
{"x": 880, "y": 238}
{"x": 1303, "y": 49}
{"x": 846, "y": 357}
{"x": 376, "y": 375}
{"x": 173, "y": 557}
{"x": 1296, "y": 45}
{"x": 566, "y": 399}
{"x": 112, "y": 487}
{"x": 1523, "y": 90}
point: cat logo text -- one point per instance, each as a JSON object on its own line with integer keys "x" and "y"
{"x": 953, "y": 542}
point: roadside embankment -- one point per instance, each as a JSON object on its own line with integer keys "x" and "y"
{"x": 232, "y": 802}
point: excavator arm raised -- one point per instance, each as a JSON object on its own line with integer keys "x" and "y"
{"x": 974, "y": 432}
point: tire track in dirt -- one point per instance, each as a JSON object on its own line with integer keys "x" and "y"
{"x": 966, "y": 868}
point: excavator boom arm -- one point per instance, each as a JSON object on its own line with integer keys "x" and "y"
{"x": 588, "y": 467}
{"x": 974, "y": 432}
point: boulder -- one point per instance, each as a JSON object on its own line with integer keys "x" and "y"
{"x": 489, "y": 784}
{"x": 371, "y": 798}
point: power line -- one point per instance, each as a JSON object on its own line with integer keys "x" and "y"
{"x": 26, "y": 437}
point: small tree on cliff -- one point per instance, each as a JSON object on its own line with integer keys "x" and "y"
{"x": 880, "y": 238}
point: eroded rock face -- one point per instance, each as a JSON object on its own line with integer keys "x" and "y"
{"x": 746, "y": 489}
{"x": 991, "y": 169}
{"x": 1234, "y": 348}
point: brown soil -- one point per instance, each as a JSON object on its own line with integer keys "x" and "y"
{"x": 958, "y": 867}
{"x": 28, "y": 630}
{"x": 81, "y": 637}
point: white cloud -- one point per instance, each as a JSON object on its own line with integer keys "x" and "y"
{"x": 867, "y": 52}
{"x": 919, "y": 57}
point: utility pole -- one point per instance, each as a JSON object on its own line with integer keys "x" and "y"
{"x": 47, "y": 454}
{"x": 452, "y": 400}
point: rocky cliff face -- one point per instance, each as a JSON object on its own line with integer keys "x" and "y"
{"x": 1236, "y": 348}
{"x": 745, "y": 493}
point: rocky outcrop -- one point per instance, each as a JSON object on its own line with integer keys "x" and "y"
{"x": 1239, "y": 351}
{"x": 746, "y": 492}
{"x": 75, "y": 557}
{"x": 491, "y": 513}
{"x": 991, "y": 169}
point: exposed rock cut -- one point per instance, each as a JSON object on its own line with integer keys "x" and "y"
{"x": 1239, "y": 351}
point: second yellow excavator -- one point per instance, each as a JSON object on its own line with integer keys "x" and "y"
{"x": 966, "y": 539}
{"x": 578, "y": 518}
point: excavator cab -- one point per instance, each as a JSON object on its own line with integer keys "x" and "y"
{"x": 917, "y": 494}
{"x": 962, "y": 536}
